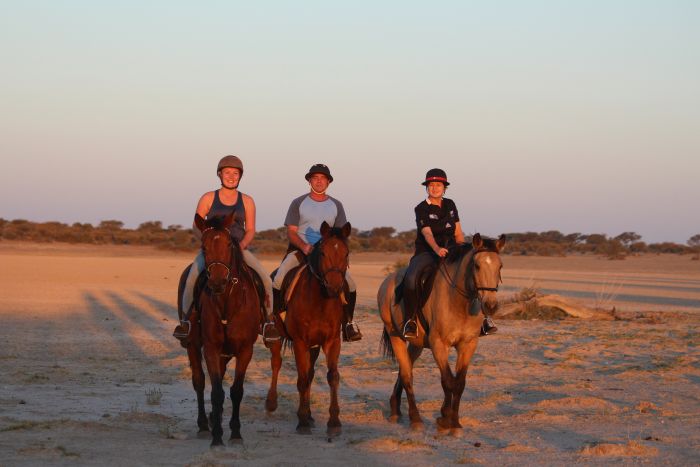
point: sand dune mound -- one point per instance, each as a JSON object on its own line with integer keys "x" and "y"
{"x": 548, "y": 307}
{"x": 632, "y": 448}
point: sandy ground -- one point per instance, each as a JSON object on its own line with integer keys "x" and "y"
{"x": 85, "y": 334}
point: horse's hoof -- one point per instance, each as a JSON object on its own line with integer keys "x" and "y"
{"x": 394, "y": 418}
{"x": 333, "y": 431}
{"x": 217, "y": 444}
{"x": 443, "y": 424}
{"x": 456, "y": 432}
{"x": 417, "y": 426}
{"x": 235, "y": 441}
{"x": 303, "y": 430}
{"x": 270, "y": 405}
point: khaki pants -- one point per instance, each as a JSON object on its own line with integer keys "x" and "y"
{"x": 198, "y": 266}
{"x": 290, "y": 261}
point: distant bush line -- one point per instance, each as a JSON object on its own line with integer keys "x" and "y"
{"x": 379, "y": 239}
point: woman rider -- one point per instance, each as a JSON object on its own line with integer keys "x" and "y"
{"x": 220, "y": 203}
{"x": 439, "y": 228}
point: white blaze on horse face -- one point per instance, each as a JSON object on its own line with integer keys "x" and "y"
{"x": 488, "y": 260}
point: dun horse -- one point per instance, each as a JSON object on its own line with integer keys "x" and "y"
{"x": 451, "y": 317}
{"x": 312, "y": 322}
{"x": 224, "y": 325}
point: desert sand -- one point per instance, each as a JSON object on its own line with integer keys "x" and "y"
{"x": 91, "y": 375}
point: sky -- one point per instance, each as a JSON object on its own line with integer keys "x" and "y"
{"x": 546, "y": 115}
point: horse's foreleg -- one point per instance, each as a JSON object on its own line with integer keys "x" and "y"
{"x": 242, "y": 361}
{"x": 332, "y": 351}
{"x": 313, "y": 355}
{"x": 303, "y": 360}
{"x": 194, "y": 353}
{"x": 213, "y": 359}
{"x": 406, "y": 376}
{"x": 275, "y": 365}
{"x": 441, "y": 355}
{"x": 464, "y": 356}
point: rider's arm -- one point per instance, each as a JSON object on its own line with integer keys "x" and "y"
{"x": 459, "y": 235}
{"x": 249, "y": 222}
{"x": 295, "y": 239}
{"x": 428, "y": 235}
{"x": 203, "y": 207}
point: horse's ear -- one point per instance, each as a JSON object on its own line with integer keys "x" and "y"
{"x": 477, "y": 242}
{"x": 347, "y": 229}
{"x": 200, "y": 222}
{"x": 501, "y": 242}
{"x": 325, "y": 229}
{"x": 228, "y": 220}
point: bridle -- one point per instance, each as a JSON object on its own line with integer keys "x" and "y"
{"x": 473, "y": 290}
{"x": 322, "y": 276}
{"x": 209, "y": 264}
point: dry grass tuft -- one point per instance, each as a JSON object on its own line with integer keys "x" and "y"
{"x": 632, "y": 448}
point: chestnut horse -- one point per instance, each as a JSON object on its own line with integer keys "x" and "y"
{"x": 465, "y": 281}
{"x": 224, "y": 325}
{"x": 312, "y": 322}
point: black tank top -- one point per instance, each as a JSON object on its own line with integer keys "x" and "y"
{"x": 219, "y": 209}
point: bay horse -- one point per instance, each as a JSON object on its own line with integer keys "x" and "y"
{"x": 465, "y": 281}
{"x": 223, "y": 325}
{"x": 312, "y": 323}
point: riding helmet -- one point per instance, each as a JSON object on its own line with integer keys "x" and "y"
{"x": 319, "y": 169}
{"x": 230, "y": 161}
{"x": 435, "y": 175}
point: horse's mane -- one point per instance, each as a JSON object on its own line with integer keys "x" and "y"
{"x": 458, "y": 252}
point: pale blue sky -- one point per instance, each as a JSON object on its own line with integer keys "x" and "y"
{"x": 573, "y": 116}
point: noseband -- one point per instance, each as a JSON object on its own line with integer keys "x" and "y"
{"x": 472, "y": 292}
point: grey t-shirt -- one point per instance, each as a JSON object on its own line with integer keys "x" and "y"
{"x": 308, "y": 215}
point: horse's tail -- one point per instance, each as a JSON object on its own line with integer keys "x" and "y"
{"x": 385, "y": 346}
{"x": 287, "y": 344}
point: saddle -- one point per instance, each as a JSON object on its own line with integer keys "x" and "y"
{"x": 424, "y": 286}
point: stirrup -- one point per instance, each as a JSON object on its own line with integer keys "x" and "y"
{"x": 488, "y": 327}
{"x": 182, "y": 330}
{"x": 410, "y": 333}
{"x": 270, "y": 333}
{"x": 351, "y": 332}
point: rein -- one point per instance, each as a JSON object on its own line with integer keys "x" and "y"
{"x": 470, "y": 293}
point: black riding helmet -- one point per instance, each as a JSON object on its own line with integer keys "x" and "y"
{"x": 319, "y": 169}
{"x": 435, "y": 175}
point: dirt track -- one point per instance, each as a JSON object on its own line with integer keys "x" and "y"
{"x": 86, "y": 332}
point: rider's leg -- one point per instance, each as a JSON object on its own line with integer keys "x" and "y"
{"x": 411, "y": 289}
{"x": 270, "y": 333}
{"x": 257, "y": 266}
{"x": 351, "y": 332}
{"x": 182, "y": 330}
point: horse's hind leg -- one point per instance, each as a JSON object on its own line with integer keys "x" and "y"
{"x": 395, "y": 401}
{"x": 194, "y": 353}
{"x": 406, "y": 376}
{"x": 275, "y": 365}
{"x": 332, "y": 351}
{"x": 242, "y": 361}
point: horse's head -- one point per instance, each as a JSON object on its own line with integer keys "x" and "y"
{"x": 218, "y": 249}
{"x": 486, "y": 270}
{"x": 332, "y": 254}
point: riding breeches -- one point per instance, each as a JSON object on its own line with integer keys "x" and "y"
{"x": 415, "y": 270}
{"x": 198, "y": 266}
{"x": 290, "y": 261}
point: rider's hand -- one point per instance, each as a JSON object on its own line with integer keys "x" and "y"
{"x": 307, "y": 249}
{"x": 441, "y": 252}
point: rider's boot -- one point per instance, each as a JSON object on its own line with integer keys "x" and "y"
{"x": 410, "y": 327}
{"x": 270, "y": 332}
{"x": 351, "y": 332}
{"x": 488, "y": 327}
